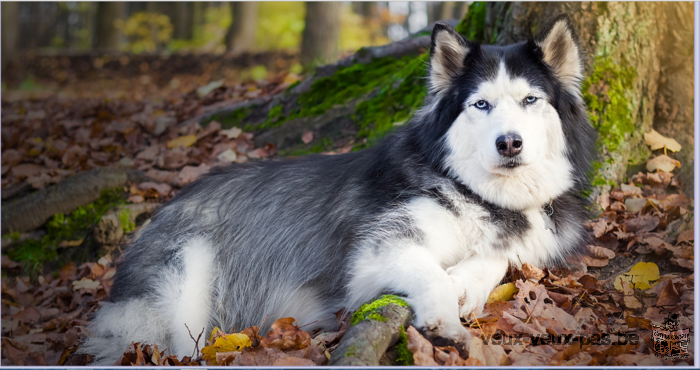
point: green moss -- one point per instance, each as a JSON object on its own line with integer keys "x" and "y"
{"x": 369, "y": 310}
{"x": 274, "y": 114}
{"x": 605, "y": 92}
{"x": 323, "y": 145}
{"x": 611, "y": 110}
{"x": 71, "y": 227}
{"x": 351, "y": 351}
{"x": 404, "y": 357}
{"x": 127, "y": 225}
{"x": 231, "y": 119}
{"x": 402, "y": 94}
{"x": 473, "y": 24}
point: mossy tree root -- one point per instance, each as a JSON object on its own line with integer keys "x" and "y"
{"x": 375, "y": 330}
{"x": 32, "y": 211}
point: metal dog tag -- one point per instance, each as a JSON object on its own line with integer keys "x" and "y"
{"x": 548, "y": 223}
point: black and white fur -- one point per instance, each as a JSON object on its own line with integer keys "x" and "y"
{"x": 434, "y": 213}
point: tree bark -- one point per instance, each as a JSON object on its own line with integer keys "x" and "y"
{"x": 10, "y": 31}
{"x": 199, "y": 16}
{"x": 241, "y": 34}
{"x": 182, "y": 20}
{"x": 674, "y": 107}
{"x": 108, "y": 36}
{"x": 366, "y": 342}
{"x": 35, "y": 209}
{"x": 321, "y": 31}
{"x": 446, "y": 10}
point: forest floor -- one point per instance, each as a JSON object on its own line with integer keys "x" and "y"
{"x": 608, "y": 309}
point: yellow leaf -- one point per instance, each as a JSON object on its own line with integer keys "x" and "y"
{"x": 184, "y": 141}
{"x": 639, "y": 276}
{"x": 619, "y": 279}
{"x": 504, "y": 292}
{"x": 658, "y": 141}
{"x": 227, "y": 343}
{"x": 663, "y": 163}
{"x": 213, "y": 333}
{"x": 647, "y": 269}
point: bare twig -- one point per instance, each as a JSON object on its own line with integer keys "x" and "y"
{"x": 196, "y": 342}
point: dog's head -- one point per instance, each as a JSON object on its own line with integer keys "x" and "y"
{"x": 510, "y": 116}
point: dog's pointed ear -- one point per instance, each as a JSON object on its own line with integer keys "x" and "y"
{"x": 447, "y": 52}
{"x": 560, "y": 50}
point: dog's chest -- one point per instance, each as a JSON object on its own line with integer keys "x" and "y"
{"x": 469, "y": 229}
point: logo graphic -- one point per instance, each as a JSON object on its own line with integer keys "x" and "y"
{"x": 670, "y": 341}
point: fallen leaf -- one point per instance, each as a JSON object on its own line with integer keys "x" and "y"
{"x": 293, "y": 361}
{"x": 26, "y": 170}
{"x": 686, "y": 236}
{"x": 307, "y": 137}
{"x": 231, "y": 133}
{"x": 658, "y": 141}
{"x": 226, "y": 343}
{"x": 182, "y": 141}
{"x": 73, "y": 156}
{"x": 189, "y": 173}
{"x": 668, "y": 296}
{"x": 663, "y": 163}
{"x": 634, "y": 205}
{"x": 503, "y": 292}
{"x": 163, "y": 190}
{"x": 227, "y": 156}
{"x": 600, "y": 252}
{"x": 85, "y": 283}
{"x": 285, "y": 336}
{"x": 206, "y": 89}
{"x": 641, "y": 224}
{"x": 532, "y": 273}
{"x": 421, "y": 348}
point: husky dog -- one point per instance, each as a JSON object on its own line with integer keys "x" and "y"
{"x": 488, "y": 173}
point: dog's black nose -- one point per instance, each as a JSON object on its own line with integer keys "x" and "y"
{"x": 509, "y": 145}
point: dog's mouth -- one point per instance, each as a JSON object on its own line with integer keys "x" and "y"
{"x": 510, "y": 163}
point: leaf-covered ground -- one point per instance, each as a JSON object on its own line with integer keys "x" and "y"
{"x": 639, "y": 273}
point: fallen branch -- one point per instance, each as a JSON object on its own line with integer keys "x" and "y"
{"x": 32, "y": 211}
{"x": 367, "y": 341}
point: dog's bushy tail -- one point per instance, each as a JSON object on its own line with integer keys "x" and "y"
{"x": 117, "y": 324}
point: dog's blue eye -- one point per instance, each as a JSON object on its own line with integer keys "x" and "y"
{"x": 481, "y": 104}
{"x": 530, "y": 99}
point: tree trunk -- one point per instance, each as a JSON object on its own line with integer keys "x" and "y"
{"x": 241, "y": 34}
{"x": 10, "y": 31}
{"x": 182, "y": 20}
{"x": 674, "y": 105}
{"x": 321, "y": 31}
{"x": 199, "y": 16}
{"x": 446, "y": 10}
{"x": 108, "y": 36}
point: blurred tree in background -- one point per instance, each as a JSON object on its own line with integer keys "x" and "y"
{"x": 324, "y": 31}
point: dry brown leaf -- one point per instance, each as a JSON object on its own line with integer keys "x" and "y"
{"x": 421, "y": 348}
{"x": 668, "y": 296}
{"x": 286, "y": 336}
{"x": 641, "y": 224}
{"x": 600, "y": 252}
{"x": 686, "y": 236}
{"x": 307, "y": 137}
{"x": 657, "y": 141}
{"x": 663, "y": 163}
{"x": 532, "y": 273}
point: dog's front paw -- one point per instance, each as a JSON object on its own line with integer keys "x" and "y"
{"x": 472, "y": 301}
{"x": 441, "y": 333}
